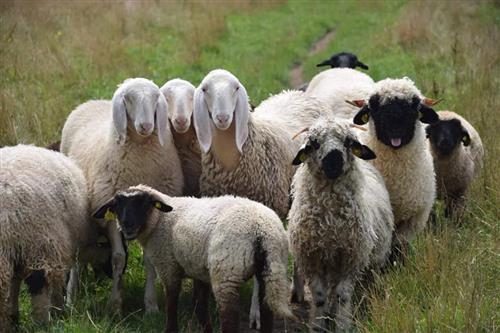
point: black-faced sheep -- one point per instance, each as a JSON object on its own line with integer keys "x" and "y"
{"x": 343, "y": 59}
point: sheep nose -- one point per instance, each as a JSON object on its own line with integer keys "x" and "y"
{"x": 223, "y": 118}
{"x": 181, "y": 121}
{"x": 146, "y": 127}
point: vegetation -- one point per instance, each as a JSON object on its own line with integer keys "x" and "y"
{"x": 55, "y": 57}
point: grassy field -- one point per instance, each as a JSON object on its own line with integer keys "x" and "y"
{"x": 55, "y": 56}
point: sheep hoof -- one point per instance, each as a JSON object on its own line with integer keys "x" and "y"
{"x": 254, "y": 319}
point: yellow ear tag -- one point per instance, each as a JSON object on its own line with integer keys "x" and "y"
{"x": 109, "y": 216}
{"x": 356, "y": 151}
{"x": 157, "y": 204}
{"x": 365, "y": 118}
{"x": 303, "y": 157}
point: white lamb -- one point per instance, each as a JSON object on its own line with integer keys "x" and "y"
{"x": 458, "y": 158}
{"x": 395, "y": 113}
{"x": 122, "y": 143}
{"x": 341, "y": 220}
{"x": 337, "y": 85}
{"x": 247, "y": 153}
{"x": 179, "y": 95}
{"x": 220, "y": 242}
{"x": 44, "y": 223}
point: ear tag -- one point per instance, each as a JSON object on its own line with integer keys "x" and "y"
{"x": 365, "y": 118}
{"x": 303, "y": 156}
{"x": 109, "y": 216}
{"x": 157, "y": 204}
{"x": 356, "y": 151}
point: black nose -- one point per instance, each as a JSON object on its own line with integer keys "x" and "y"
{"x": 332, "y": 164}
{"x": 445, "y": 146}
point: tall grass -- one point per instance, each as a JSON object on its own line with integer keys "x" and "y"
{"x": 56, "y": 56}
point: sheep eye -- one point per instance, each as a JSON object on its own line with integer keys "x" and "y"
{"x": 237, "y": 88}
{"x": 204, "y": 89}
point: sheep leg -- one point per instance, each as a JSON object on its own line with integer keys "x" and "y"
{"x": 118, "y": 258}
{"x": 254, "y": 317}
{"x": 265, "y": 311}
{"x": 297, "y": 286}
{"x": 8, "y": 313}
{"x": 39, "y": 289}
{"x": 57, "y": 281}
{"x": 319, "y": 309}
{"x": 172, "y": 290}
{"x": 342, "y": 304}
{"x": 150, "y": 300}
{"x": 73, "y": 283}
{"x": 201, "y": 293}
{"x": 227, "y": 296}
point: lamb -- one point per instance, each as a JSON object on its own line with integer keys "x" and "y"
{"x": 335, "y": 86}
{"x": 343, "y": 59}
{"x": 44, "y": 223}
{"x": 122, "y": 143}
{"x": 395, "y": 112}
{"x": 249, "y": 153}
{"x": 220, "y": 242}
{"x": 179, "y": 95}
{"x": 458, "y": 153}
{"x": 340, "y": 222}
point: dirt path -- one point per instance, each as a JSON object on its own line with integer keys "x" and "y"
{"x": 297, "y": 72}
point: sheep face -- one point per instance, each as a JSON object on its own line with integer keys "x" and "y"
{"x": 132, "y": 210}
{"x": 395, "y": 119}
{"x": 446, "y": 135}
{"x": 179, "y": 95}
{"x": 219, "y": 99}
{"x": 343, "y": 59}
{"x": 330, "y": 149}
{"x": 136, "y": 104}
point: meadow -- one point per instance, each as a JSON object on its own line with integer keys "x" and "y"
{"x": 56, "y": 55}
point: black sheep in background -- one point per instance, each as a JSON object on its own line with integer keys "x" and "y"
{"x": 343, "y": 59}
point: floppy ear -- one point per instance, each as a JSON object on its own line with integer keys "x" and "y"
{"x": 324, "y": 63}
{"x": 202, "y": 120}
{"x": 106, "y": 211}
{"x": 362, "y": 116}
{"x": 119, "y": 116}
{"x": 465, "y": 137}
{"x": 360, "y": 64}
{"x": 160, "y": 205}
{"x": 161, "y": 119}
{"x": 427, "y": 114}
{"x": 362, "y": 151}
{"x": 304, "y": 151}
{"x": 241, "y": 113}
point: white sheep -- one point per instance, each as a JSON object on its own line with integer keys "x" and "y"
{"x": 458, "y": 158}
{"x": 249, "y": 153}
{"x": 335, "y": 86}
{"x": 341, "y": 219}
{"x": 122, "y": 143}
{"x": 220, "y": 242}
{"x": 395, "y": 112}
{"x": 179, "y": 95}
{"x": 44, "y": 223}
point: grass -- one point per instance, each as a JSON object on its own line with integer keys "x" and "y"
{"x": 53, "y": 59}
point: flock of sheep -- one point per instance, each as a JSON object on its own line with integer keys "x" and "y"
{"x": 205, "y": 182}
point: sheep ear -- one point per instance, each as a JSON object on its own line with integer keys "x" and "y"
{"x": 427, "y": 114}
{"x": 160, "y": 205}
{"x": 202, "y": 120}
{"x": 106, "y": 211}
{"x": 119, "y": 116}
{"x": 241, "y": 112}
{"x": 465, "y": 138}
{"x": 362, "y": 116}
{"x": 362, "y": 151}
{"x": 360, "y": 64}
{"x": 324, "y": 63}
{"x": 304, "y": 151}
{"x": 161, "y": 119}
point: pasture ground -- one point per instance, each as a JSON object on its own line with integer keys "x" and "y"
{"x": 56, "y": 55}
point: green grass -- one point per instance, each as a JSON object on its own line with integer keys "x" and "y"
{"x": 52, "y": 63}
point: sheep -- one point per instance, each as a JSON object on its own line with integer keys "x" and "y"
{"x": 44, "y": 223}
{"x": 248, "y": 153}
{"x": 343, "y": 59}
{"x": 395, "y": 112}
{"x": 179, "y": 95}
{"x": 335, "y": 86}
{"x": 220, "y": 242}
{"x": 458, "y": 152}
{"x": 341, "y": 221}
{"x": 122, "y": 143}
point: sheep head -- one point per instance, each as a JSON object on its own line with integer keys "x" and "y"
{"x": 219, "y": 100}
{"x": 179, "y": 95}
{"x": 139, "y": 105}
